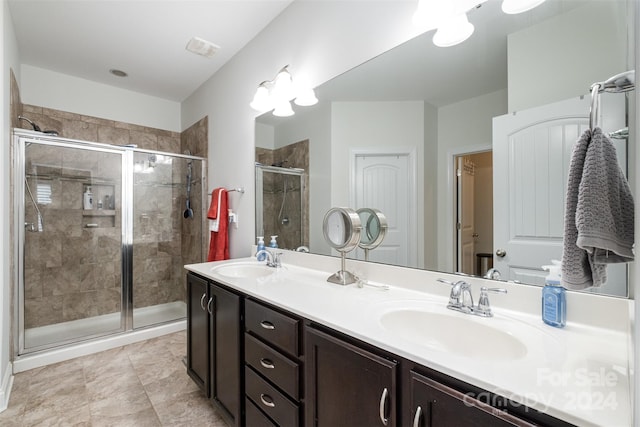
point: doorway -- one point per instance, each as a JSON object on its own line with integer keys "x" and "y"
{"x": 473, "y": 212}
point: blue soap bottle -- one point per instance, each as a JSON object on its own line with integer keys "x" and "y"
{"x": 554, "y": 298}
{"x": 260, "y": 256}
{"x": 273, "y": 243}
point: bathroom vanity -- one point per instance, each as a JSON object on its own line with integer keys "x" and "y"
{"x": 285, "y": 347}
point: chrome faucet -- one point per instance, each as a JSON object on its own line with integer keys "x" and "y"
{"x": 461, "y": 299}
{"x": 273, "y": 258}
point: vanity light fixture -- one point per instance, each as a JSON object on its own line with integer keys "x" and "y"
{"x": 512, "y": 7}
{"x": 453, "y": 31}
{"x": 449, "y": 17}
{"x": 278, "y": 93}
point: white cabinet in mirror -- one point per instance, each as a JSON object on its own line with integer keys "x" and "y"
{"x": 418, "y": 107}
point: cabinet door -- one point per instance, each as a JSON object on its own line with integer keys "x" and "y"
{"x": 198, "y": 332}
{"x": 225, "y": 350}
{"x": 347, "y": 385}
{"x": 436, "y": 405}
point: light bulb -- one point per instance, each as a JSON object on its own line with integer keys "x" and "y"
{"x": 283, "y": 109}
{"x": 454, "y": 31}
{"x": 283, "y": 86}
{"x": 431, "y": 13}
{"x": 306, "y": 97}
{"x": 261, "y": 100}
{"x": 512, "y": 7}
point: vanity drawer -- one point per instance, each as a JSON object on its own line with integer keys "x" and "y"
{"x": 278, "y": 329}
{"x": 273, "y": 403}
{"x": 273, "y": 365}
{"x": 254, "y": 417}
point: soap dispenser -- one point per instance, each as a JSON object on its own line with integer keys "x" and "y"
{"x": 273, "y": 243}
{"x": 87, "y": 201}
{"x": 554, "y": 299}
{"x": 260, "y": 256}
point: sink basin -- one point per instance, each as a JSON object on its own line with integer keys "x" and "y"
{"x": 244, "y": 270}
{"x": 454, "y": 333}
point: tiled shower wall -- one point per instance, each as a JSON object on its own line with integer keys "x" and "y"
{"x": 295, "y": 232}
{"x": 74, "y": 272}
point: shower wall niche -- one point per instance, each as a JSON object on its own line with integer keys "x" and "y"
{"x": 115, "y": 267}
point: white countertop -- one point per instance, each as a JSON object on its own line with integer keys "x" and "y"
{"x": 579, "y": 374}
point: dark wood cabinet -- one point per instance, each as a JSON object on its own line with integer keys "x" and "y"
{"x": 272, "y": 359}
{"x": 434, "y": 404}
{"x": 225, "y": 356}
{"x": 264, "y": 366}
{"x": 347, "y": 385}
{"x": 214, "y": 358}
{"x": 198, "y": 332}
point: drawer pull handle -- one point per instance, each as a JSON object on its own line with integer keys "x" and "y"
{"x": 209, "y": 309}
{"x": 202, "y": 301}
{"x": 383, "y": 401}
{"x": 267, "y": 325}
{"x": 266, "y": 363}
{"x": 416, "y": 419}
{"x": 267, "y": 400}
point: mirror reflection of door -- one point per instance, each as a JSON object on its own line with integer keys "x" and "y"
{"x": 474, "y": 212}
{"x": 384, "y": 182}
{"x": 534, "y": 148}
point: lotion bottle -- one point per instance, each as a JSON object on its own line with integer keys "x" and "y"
{"x": 260, "y": 256}
{"x": 87, "y": 201}
{"x": 554, "y": 299}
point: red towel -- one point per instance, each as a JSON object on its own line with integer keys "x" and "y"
{"x": 219, "y": 242}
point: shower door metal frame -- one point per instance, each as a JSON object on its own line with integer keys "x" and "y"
{"x": 259, "y": 178}
{"x": 20, "y": 142}
{"x": 20, "y": 139}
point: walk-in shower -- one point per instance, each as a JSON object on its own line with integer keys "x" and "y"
{"x": 281, "y": 205}
{"x": 101, "y": 238}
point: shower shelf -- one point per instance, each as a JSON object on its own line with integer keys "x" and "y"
{"x": 98, "y": 212}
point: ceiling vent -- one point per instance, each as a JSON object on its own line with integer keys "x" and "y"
{"x": 202, "y": 47}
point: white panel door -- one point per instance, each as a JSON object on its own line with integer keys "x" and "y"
{"x": 531, "y": 155}
{"x": 466, "y": 221}
{"x": 384, "y": 182}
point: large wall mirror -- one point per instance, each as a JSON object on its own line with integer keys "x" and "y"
{"x": 465, "y": 149}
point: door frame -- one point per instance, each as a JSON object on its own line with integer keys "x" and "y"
{"x": 452, "y": 199}
{"x": 415, "y": 192}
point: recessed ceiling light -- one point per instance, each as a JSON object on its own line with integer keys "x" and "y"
{"x": 202, "y": 47}
{"x": 118, "y": 73}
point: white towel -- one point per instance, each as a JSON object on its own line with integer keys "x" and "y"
{"x": 599, "y": 214}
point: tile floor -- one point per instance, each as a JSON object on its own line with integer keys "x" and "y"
{"x": 138, "y": 385}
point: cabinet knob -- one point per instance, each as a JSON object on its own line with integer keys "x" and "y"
{"x": 383, "y": 402}
{"x": 267, "y": 325}
{"x": 267, "y": 400}
{"x": 266, "y": 363}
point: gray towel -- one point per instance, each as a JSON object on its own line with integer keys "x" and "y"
{"x": 599, "y": 214}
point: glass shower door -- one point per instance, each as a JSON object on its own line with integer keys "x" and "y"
{"x": 71, "y": 271}
{"x": 166, "y": 235}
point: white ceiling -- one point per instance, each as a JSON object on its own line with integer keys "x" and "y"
{"x": 145, "y": 38}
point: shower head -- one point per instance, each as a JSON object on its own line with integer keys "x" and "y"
{"x": 37, "y": 128}
{"x": 33, "y": 125}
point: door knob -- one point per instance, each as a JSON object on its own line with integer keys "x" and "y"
{"x": 501, "y": 253}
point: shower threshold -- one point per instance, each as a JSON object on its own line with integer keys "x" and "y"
{"x": 66, "y": 332}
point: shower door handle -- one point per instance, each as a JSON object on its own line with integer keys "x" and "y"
{"x": 202, "y": 301}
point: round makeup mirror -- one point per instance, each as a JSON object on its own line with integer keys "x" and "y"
{"x": 374, "y": 228}
{"x": 342, "y": 230}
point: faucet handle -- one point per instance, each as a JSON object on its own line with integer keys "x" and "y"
{"x": 484, "y": 308}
